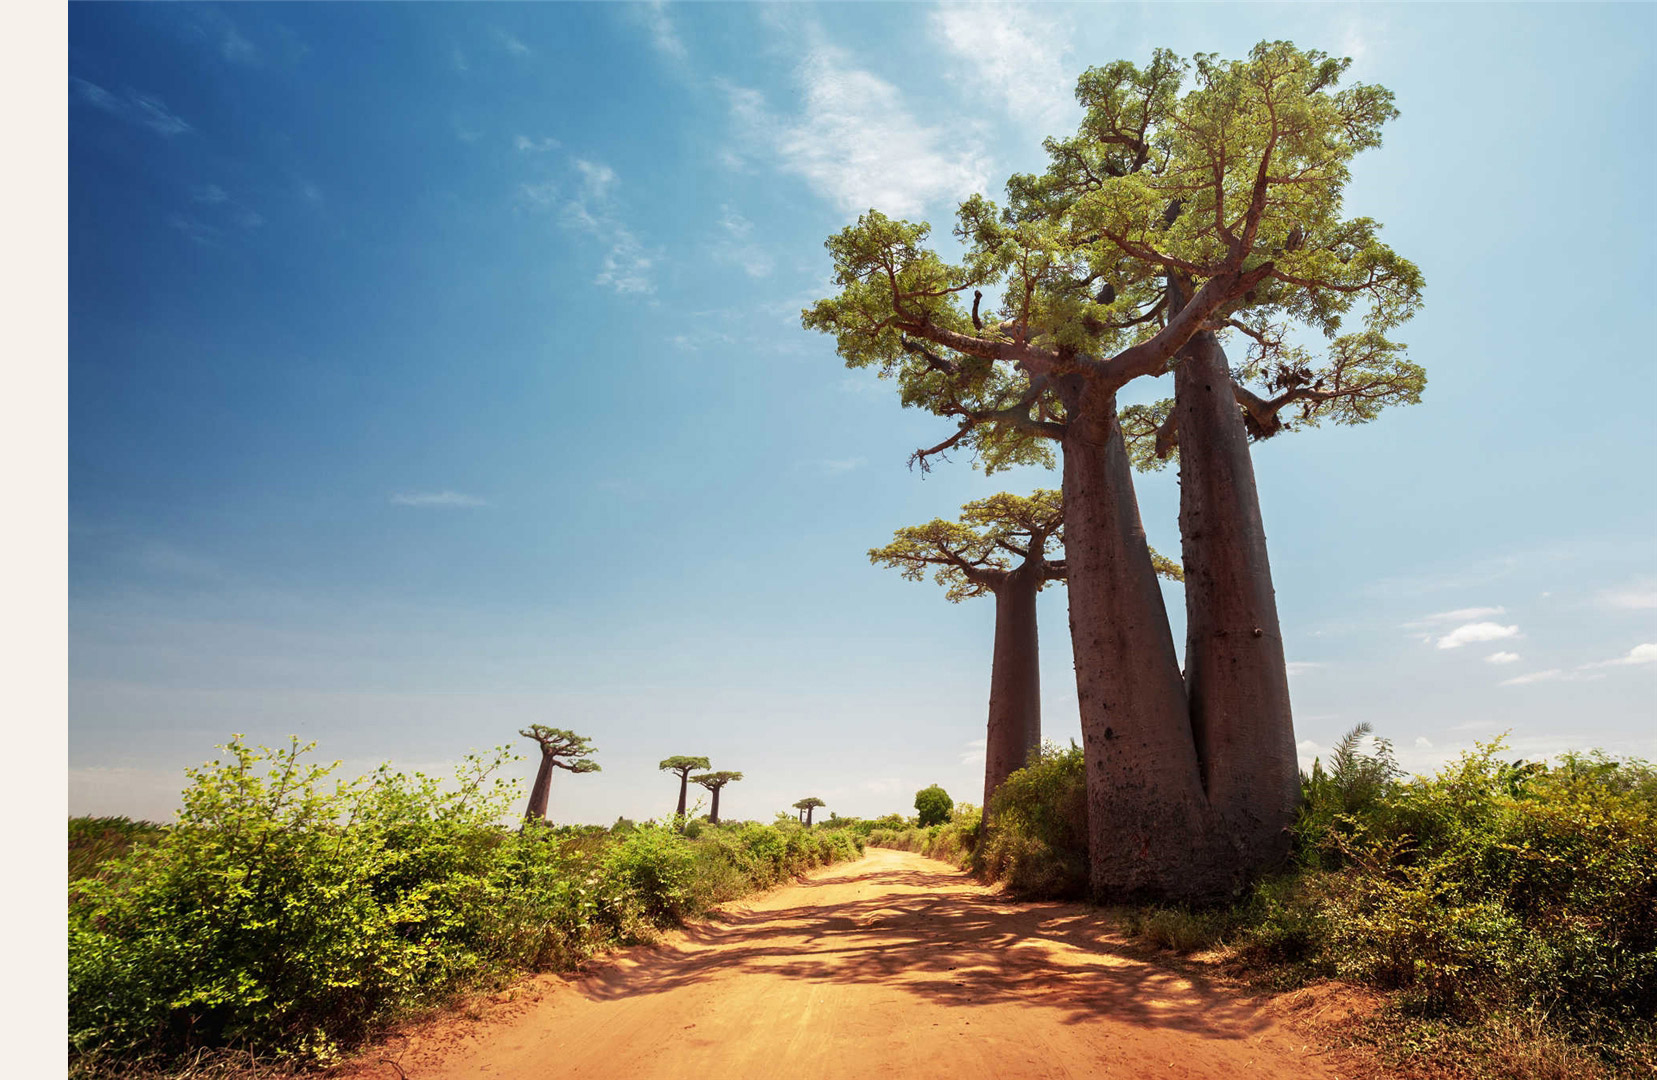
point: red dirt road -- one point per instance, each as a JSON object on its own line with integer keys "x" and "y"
{"x": 895, "y": 967}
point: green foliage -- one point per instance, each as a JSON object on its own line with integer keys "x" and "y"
{"x": 713, "y": 781}
{"x": 94, "y": 841}
{"x": 1207, "y": 171}
{"x": 564, "y": 749}
{"x": 933, "y": 804}
{"x": 1038, "y": 844}
{"x": 682, "y": 764}
{"x": 288, "y": 913}
{"x": 1493, "y": 890}
{"x": 1494, "y": 894}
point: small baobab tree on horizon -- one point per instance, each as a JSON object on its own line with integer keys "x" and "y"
{"x": 806, "y": 806}
{"x": 714, "y": 782}
{"x": 560, "y": 749}
{"x": 683, "y": 766}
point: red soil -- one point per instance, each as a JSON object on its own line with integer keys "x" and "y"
{"x": 894, "y": 966}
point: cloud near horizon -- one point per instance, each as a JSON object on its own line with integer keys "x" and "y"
{"x": 1470, "y": 633}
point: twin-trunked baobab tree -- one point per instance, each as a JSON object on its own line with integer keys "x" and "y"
{"x": 1177, "y": 217}
{"x": 806, "y": 806}
{"x": 999, "y": 548}
{"x": 560, "y": 749}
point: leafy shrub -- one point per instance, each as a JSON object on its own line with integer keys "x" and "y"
{"x": 933, "y": 804}
{"x": 1037, "y": 845}
{"x": 94, "y": 841}
{"x": 287, "y": 917}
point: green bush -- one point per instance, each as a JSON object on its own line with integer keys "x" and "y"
{"x": 1037, "y": 845}
{"x": 932, "y": 805}
{"x": 94, "y": 841}
{"x": 288, "y": 917}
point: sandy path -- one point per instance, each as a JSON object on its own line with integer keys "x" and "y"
{"x": 894, "y": 966}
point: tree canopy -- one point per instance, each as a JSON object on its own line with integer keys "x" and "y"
{"x": 563, "y": 749}
{"x": 933, "y": 804}
{"x": 713, "y": 781}
{"x": 1175, "y": 208}
{"x": 971, "y": 556}
{"x": 682, "y": 764}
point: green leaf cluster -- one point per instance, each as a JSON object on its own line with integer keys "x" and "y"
{"x": 288, "y": 913}
{"x": 1181, "y": 172}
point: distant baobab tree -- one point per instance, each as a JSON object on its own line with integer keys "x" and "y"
{"x": 714, "y": 781}
{"x": 684, "y": 766}
{"x": 998, "y": 548}
{"x": 805, "y": 806}
{"x": 560, "y": 749}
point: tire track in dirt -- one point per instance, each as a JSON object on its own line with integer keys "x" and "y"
{"x": 892, "y": 966}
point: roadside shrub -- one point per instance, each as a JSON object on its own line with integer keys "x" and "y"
{"x": 287, "y": 914}
{"x": 1037, "y": 844}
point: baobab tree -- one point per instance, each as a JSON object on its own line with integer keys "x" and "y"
{"x": 715, "y": 782}
{"x": 998, "y": 548}
{"x": 560, "y": 749}
{"x": 1171, "y": 221}
{"x": 683, "y": 766}
{"x": 806, "y": 806}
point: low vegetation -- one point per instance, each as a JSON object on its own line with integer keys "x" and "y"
{"x": 1506, "y": 909}
{"x": 289, "y": 915}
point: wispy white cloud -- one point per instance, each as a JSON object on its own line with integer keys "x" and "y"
{"x": 974, "y": 752}
{"x": 1502, "y": 658}
{"x": 1550, "y": 675}
{"x": 145, "y": 110}
{"x": 663, "y": 34}
{"x": 198, "y": 231}
{"x": 539, "y": 146}
{"x": 855, "y": 142}
{"x": 209, "y": 193}
{"x": 1639, "y": 654}
{"x": 837, "y": 466}
{"x": 511, "y": 43}
{"x": 628, "y": 265}
{"x": 1301, "y": 667}
{"x": 1466, "y": 614}
{"x": 1637, "y": 595}
{"x": 737, "y": 247}
{"x": 436, "y": 498}
{"x": 1470, "y": 633}
{"x": 1016, "y": 55}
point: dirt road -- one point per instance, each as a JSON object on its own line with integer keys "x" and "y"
{"x": 892, "y": 967}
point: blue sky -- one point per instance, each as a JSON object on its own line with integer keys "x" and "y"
{"x": 435, "y": 370}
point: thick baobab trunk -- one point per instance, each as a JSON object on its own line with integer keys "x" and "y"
{"x": 1149, "y": 829}
{"x": 1015, "y": 680}
{"x": 713, "y": 812}
{"x": 1235, "y": 676}
{"x": 538, "y": 793}
{"x": 684, "y": 786}
{"x": 808, "y": 811}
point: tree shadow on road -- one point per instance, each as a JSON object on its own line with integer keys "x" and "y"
{"x": 919, "y": 932}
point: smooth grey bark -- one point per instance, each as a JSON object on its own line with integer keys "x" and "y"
{"x": 1235, "y": 675}
{"x": 1014, "y": 729}
{"x": 1150, "y": 831}
{"x": 713, "y": 812}
{"x": 684, "y": 786}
